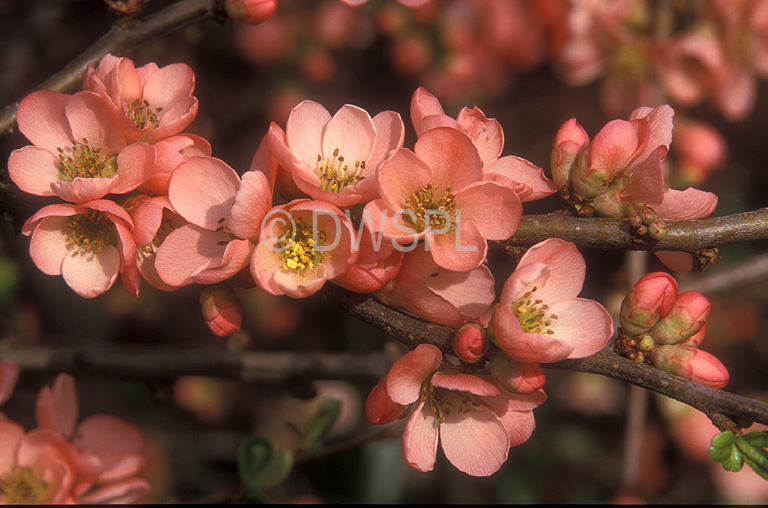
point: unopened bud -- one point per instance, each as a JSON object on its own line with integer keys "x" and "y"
{"x": 684, "y": 320}
{"x": 222, "y": 310}
{"x": 515, "y": 376}
{"x": 696, "y": 339}
{"x": 690, "y": 363}
{"x": 646, "y": 343}
{"x": 471, "y": 342}
{"x": 648, "y": 215}
{"x": 568, "y": 143}
{"x": 379, "y": 408}
{"x": 651, "y": 298}
{"x": 658, "y": 229}
{"x": 250, "y": 12}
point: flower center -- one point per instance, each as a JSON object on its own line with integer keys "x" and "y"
{"x": 91, "y": 231}
{"x": 443, "y": 401}
{"x": 532, "y": 313}
{"x": 431, "y": 208}
{"x": 84, "y": 161}
{"x": 334, "y": 175}
{"x": 142, "y": 114}
{"x": 22, "y": 486}
{"x": 299, "y": 247}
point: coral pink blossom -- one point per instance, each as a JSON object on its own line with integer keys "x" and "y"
{"x": 438, "y": 295}
{"x": 79, "y": 152}
{"x": 88, "y": 244}
{"x": 437, "y": 193}
{"x": 701, "y": 150}
{"x": 153, "y": 102}
{"x": 527, "y": 180}
{"x": 475, "y": 421}
{"x": 652, "y": 297}
{"x": 540, "y": 318}
{"x": 107, "y": 452}
{"x": 224, "y": 215}
{"x": 334, "y": 158}
{"x": 303, "y": 244}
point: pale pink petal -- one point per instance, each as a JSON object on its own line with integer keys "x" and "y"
{"x": 124, "y": 492}
{"x": 95, "y": 119}
{"x": 420, "y": 438}
{"x": 614, "y": 146}
{"x": 81, "y": 190}
{"x": 175, "y": 119}
{"x": 689, "y": 204}
{"x": 9, "y": 373}
{"x": 147, "y": 215}
{"x": 135, "y": 164}
{"x": 50, "y": 244}
{"x": 304, "y": 131}
{"x": 91, "y": 274}
{"x": 409, "y": 372}
{"x": 57, "y": 407}
{"x": 485, "y": 133}
{"x": 678, "y": 261}
{"x": 475, "y": 442}
{"x": 390, "y": 133}
{"x": 187, "y": 251}
{"x": 42, "y": 120}
{"x": 526, "y": 179}
{"x": 116, "y": 443}
{"x": 169, "y": 85}
{"x": 252, "y": 203}
{"x": 235, "y": 257}
{"x": 647, "y": 184}
{"x": 389, "y": 223}
{"x": 527, "y": 347}
{"x": 460, "y": 382}
{"x": 470, "y": 292}
{"x": 202, "y": 190}
{"x": 351, "y": 131}
{"x": 11, "y": 435}
{"x": 736, "y": 94}
{"x": 513, "y": 401}
{"x": 494, "y": 209}
{"x": 265, "y": 262}
{"x": 460, "y": 250}
{"x": 423, "y": 104}
{"x": 520, "y": 425}
{"x": 660, "y": 128}
{"x": 289, "y": 160}
{"x": 400, "y": 176}
{"x": 524, "y": 278}
{"x": 300, "y": 285}
{"x": 585, "y": 324}
{"x": 568, "y": 268}
{"x": 451, "y": 157}
{"x": 34, "y": 170}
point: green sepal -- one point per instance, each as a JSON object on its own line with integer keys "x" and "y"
{"x": 326, "y": 415}
{"x": 260, "y": 466}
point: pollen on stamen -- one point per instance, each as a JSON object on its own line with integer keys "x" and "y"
{"x": 334, "y": 175}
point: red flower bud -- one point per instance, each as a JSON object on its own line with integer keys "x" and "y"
{"x": 515, "y": 376}
{"x": 651, "y": 298}
{"x": 690, "y": 363}
{"x": 222, "y": 311}
{"x": 684, "y": 320}
{"x": 250, "y": 12}
{"x": 379, "y": 408}
{"x": 471, "y": 342}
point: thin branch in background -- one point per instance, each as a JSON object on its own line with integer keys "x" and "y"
{"x": 752, "y": 271}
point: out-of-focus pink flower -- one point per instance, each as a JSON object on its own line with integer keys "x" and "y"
{"x": 153, "y": 102}
{"x": 88, "y": 244}
{"x": 437, "y": 194}
{"x": 690, "y": 363}
{"x": 303, "y": 244}
{"x": 9, "y": 374}
{"x": 106, "y": 452}
{"x": 651, "y": 298}
{"x": 224, "y": 214}
{"x": 79, "y": 151}
{"x": 438, "y": 295}
{"x": 471, "y": 342}
{"x": 700, "y": 149}
{"x": 540, "y": 318}
{"x": 222, "y": 310}
{"x": 250, "y": 12}
{"x": 685, "y": 319}
{"x": 334, "y": 158}
{"x": 476, "y": 421}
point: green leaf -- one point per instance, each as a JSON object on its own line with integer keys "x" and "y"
{"x": 721, "y": 446}
{"x": 327, "y": 414}
{"x": 757, "y": 438}
{"x": 253, "y": 455}
{"x": 260, "y": 466}
{"x": 735, "y": 461}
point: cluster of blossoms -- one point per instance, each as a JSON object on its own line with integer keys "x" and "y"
{"x": 665, "y": 328}
{"x": 337, "y": 197}
{"x": 63, "y": 462}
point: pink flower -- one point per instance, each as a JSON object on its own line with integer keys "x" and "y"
{"x": 79, "y": 152}
{"x": 436, "y": 294}
{"x": 377, "y": 263}
{"x": 701, "y": 150}
{"x": 334, "y": 158}
{"x": 437, "y": 193}
{"x": 224, "y": 214}
{"x": 476, "y": 421}
{"x": 652, "y": 297}
{"x": 9, "y": 373}
{"x": 528, "y": 181}
{"x": 539, "y": 318}
{"x": 153, "y": 102}
{"x": 303, "y": 244}
{"x": 222, "y": 310}
{"x": 107, "y": 452}
{"x": 88, "y": 244}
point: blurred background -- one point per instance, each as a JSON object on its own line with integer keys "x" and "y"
{"x": 532, "y": 65}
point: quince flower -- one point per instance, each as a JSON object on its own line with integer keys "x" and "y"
{"x": 437, "y": 193}
{"x": 79, "y": 152}
{"x": 475, "y": 421}
{"x": 334, "y": 158}
{"x": 540, "y": 318}
{"x": 154, "y": 103}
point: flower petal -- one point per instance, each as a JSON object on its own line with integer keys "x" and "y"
{"x": 409, "y": 372}
{"x": 476, "y": 442}
{"x": 420, "y": 438}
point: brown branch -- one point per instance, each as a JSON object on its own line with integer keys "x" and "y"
{"x": 607, "y": 233}
{"x": 121, "y": 37}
